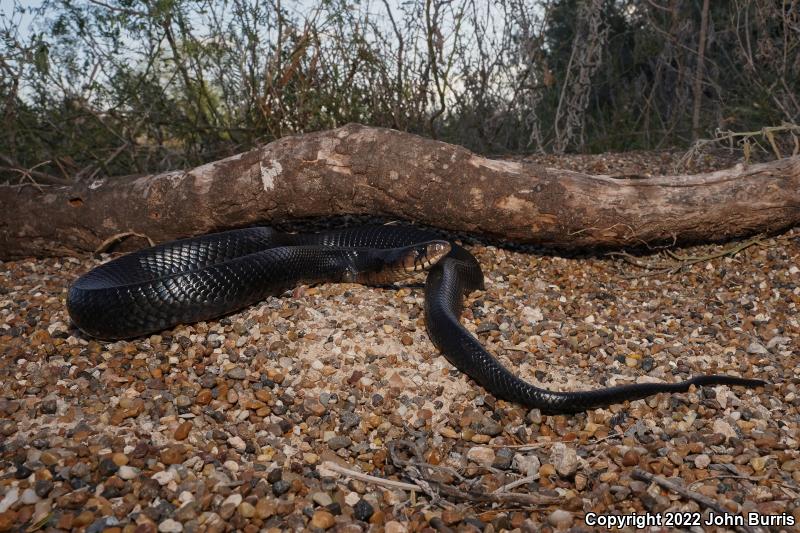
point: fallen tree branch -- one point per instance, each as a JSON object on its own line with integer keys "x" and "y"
{"x": 358, "y": 170}
{"x": 330, "y": 466}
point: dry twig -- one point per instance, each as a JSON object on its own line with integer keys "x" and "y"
{"x": 746, "y": 139}
{"x": 106, "y": 244}
{"x": 330, "y": 466}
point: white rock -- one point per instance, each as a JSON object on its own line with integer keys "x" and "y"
{"x": 237, "y": 443}
{"x": 481, "y": 455}
{"x": 778, "y": 340}
{"x": 532, "y": 315}
{"x": 29, "y": 497}
{"x": 560, "y": 519}
{"x": 352, "y": 498}
{"x": 322, "y": 499}
{"x": 235, "y": 499}
{"x": 527, "y": 465}
{"x": 702, "y": 461}
{"x": 127, "y": 472}
{"x": 564, "y": 459}
{"x": 232, "y": 466}
{"x": 164, "y": 477}
{"x": 9, "y": 499}
{"x": 170, "y": 526}
{"x": 756, "y": 348}
{"x": 720, "y": 426}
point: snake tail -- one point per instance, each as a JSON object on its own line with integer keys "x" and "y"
{"x": 459, "y": 274}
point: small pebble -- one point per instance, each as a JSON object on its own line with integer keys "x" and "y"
{"x": 362, "y": 510}
{"x": 560, "y": 519}
{"x": 170, "y": 526}
{"x": 322, "y": 519}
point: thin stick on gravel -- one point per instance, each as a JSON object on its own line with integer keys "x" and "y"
{"x": 705, "y": 501}
{"x": 339, "y": 469}
{"x": 515, "y": 484}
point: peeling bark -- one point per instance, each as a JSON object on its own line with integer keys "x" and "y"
{"x": 363, "y": 170}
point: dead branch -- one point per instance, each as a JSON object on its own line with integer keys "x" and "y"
{"x": 358, "y": 170}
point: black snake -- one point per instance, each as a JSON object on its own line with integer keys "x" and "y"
{"x": 205, "y": 277}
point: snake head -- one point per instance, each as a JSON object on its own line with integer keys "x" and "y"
{"x": 399, "y": 263}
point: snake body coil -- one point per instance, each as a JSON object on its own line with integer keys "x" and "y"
{"x": 205, "y": 277}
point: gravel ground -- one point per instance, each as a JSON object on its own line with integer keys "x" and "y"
{"x": 270, "y": 418}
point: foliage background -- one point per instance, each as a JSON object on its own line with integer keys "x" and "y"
{"x": 91, "y": 88}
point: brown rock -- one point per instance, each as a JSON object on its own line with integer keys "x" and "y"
{"x": 203, "y": 397}
{"x": 65, "y": 521}
{"x": 173, "y": 455}
{"x": 48, "y": 458}
{"x": 265, "y": 508}
{"x": 8, "y": 520}
{"x": 547, "y": 470}
{"x": 452, "y": 516}
{"x": 263, "y": 395}
{"x": 631, "y": 458}
{"x": 246, "y": 510}
{"x": 313, "y": 406}
{"x": 73, "y": 500}
{"x": 322, "y": 520}
{"x": 83, "y": 519}
{"x": 146, "y": 527}
{"x": 183, "y": 430}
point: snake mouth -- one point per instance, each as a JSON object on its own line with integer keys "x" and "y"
{"x": 423, "y": 257}
{"x": 400, "y": 263}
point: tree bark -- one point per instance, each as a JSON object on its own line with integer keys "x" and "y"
{"x": 364, "y": 170}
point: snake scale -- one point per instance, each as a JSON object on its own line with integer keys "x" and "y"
{"x": 205, "y": 277}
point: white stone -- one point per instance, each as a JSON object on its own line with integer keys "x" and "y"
{"x": 164, "y": 477}
{"x": 352, "y": 498}
{"x": 481, "y": 455}
{"x": 29, "y": 497}
{"x": 561, "y": 519}
{"x": 564, "y": 459}
{"x": 757, "y": 349}
{"x": 237, "y": 443}
{"x": 9, "y": 499}
{"x": 527, "y": 465}
{"x": 127, "y": 472}
{"x": 170, "y": 526}
{"x": 720, "y": 426}
{"x": 702, "y": 461}
{"x": 234, "y": 499}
